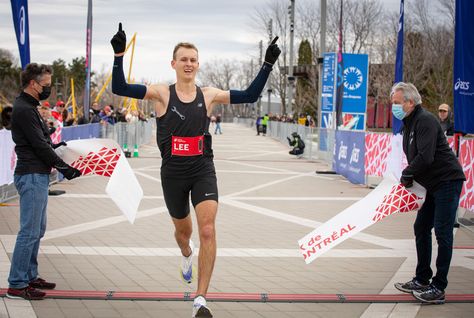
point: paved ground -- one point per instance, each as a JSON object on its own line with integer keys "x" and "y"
{"x": 267, "y": 202}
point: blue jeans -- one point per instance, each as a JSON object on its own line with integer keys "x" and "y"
{"x": 218, "y": 128}
{"x": 438, "y": 211}
{"x": 33, "y": 190}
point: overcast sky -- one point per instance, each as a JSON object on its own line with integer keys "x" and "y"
{"x": 219, "y": 28}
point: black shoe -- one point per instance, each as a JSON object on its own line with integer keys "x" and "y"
{"x": 42, "y": 284}
{"x": 430, "y": 295}
{"x": 410, "y": 286}
{"x": 28, "y": 293}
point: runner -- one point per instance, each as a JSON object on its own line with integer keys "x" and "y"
{"x": 183, "y": 116}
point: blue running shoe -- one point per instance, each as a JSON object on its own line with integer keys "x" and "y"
{"x": 187, "y": 272}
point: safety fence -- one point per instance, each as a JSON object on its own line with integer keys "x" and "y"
{"x": 125, "y": 134}
{"x": 359, "y": 156}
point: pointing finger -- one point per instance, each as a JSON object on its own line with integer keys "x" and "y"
{"x": 274, "y": 40}
{"x": 120, "y": 26}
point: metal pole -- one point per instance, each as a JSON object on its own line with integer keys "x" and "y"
{"x": 291, "y": 79}
{"x": 322, "y": 50}
{"x": 269, "y": 89}
{"x": 259, "y": 105}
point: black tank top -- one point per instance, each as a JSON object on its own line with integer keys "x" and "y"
{"x": 184, "y": 120}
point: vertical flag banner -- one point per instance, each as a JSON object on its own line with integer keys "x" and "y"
{"x": 388, "y": 198}
{"x": 464, "y": 67}
{"x": 21, "y": 23}
{"x": 327, "y": 94}
{"x": 104, "y": 157}
{"x": 87, "y": 87}
{"x": 397, "y": 123}
{"x": 340, "y": 75}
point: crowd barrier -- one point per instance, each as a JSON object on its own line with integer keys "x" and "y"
{"x": 132, "y": 135}
{"x": 360, "y": 155}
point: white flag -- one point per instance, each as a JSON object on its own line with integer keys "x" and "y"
{"x": 105, "y": 158}
{"x": 389, "y": 197}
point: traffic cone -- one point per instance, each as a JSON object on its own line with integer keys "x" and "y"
{"x": 125, "y": 151}
{"x": 135, "y": 151}
{"x": 125, "y": 147}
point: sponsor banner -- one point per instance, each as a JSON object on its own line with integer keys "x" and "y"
{"x": 388, "y": 198}
{"x": 463, "y": 90}
{"x": 354, "y": 105}
{"x": 105, "y": 158}
{"x": 349, "y": 155}
{"x": 328, "y": 82}
{"x": 7, "y": 157}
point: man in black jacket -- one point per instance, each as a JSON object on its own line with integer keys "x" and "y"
{"x": 35, "y": 158}
{"x": 431, "y": 163}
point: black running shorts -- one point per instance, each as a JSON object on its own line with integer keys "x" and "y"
{"x": 176, "y": 193}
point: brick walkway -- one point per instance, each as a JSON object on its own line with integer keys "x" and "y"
{"x": 268, "y": 200}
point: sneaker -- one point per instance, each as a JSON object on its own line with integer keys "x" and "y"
{"x": 28, "y": 293}
{"x": 200, "y": 309}
{"x": 410, "y": 286}
{"x": 42, "y": 284}
{"x": 430, "y": 295}
{"x": 187, "y": 265}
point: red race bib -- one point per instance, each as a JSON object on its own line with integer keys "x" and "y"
{"x": 187, "y": 146}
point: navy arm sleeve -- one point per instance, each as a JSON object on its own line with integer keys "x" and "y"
{"x": 252, "y": 93}
{"x": 120, "y": 86}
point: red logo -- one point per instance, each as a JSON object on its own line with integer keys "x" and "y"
{"x": 398, "y": 200}
{"x": 102, "y": 163}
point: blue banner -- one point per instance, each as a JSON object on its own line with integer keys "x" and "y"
{"x": 464, "y": 67}
{"x": 329, "y": 71}
{"x": 354, "y": 106}
{"x": 349, "y": 155}
{"x": 397, "y": 123}
{"x": 87, "y": 131}
{"x": 21, "y": 23}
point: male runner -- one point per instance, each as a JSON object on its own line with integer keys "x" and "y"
{"x": 183, "y": 110}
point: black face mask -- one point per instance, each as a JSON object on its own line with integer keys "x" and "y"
{"x": 45, "y": 92}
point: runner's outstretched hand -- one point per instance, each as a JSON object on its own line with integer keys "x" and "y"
{"x": 272, "y": 53}
{"x": 119, "y": 41}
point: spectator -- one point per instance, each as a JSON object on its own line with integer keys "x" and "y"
{"x": 444, "y": 117}
{"x": 106, "y": 116}
{"x": 297, "y": 143}
{"x": 35, "y": 157}
{"x": 45, "y": 113}
{"x": 264, "y": 124}
{"x": 68, "y": 119}
{"x": 432, "y": 164}
{"x": 57, "y": 111}
{"x": 218, "y": 124}
{"x": 94, "y": 113}
{"x": 258, "y": 123}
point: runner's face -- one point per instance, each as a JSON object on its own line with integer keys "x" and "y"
{"x": 186, "y": 63}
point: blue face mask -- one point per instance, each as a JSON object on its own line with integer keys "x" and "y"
{"x": 398, "y": 112}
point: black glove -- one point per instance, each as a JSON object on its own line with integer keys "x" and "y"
{"x": 62, "y": 143}
{"x": 272, "y": 53}
{"x": 407, "y": 180}
{"x": 68, "y": 171}
{"x": 119, "y": 41}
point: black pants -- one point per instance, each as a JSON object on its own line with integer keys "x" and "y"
{"x": 296, "y": 151}
{"x": 438, "y": 211}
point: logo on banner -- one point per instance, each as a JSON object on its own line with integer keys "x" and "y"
{"x": 461, "y": 85}
{"x": 342, "y": 151}
{"x": 22, "y": 25}
{"x": 352, "y": 78}
{"x": 101, "y": 163}
{"x": 398, "y": 200}
{"x": 355, "y": 155}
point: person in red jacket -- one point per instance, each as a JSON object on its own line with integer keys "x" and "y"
{"x": 57, "y": 111}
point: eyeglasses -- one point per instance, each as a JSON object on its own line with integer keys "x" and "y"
{"x": 442, "y": 111}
